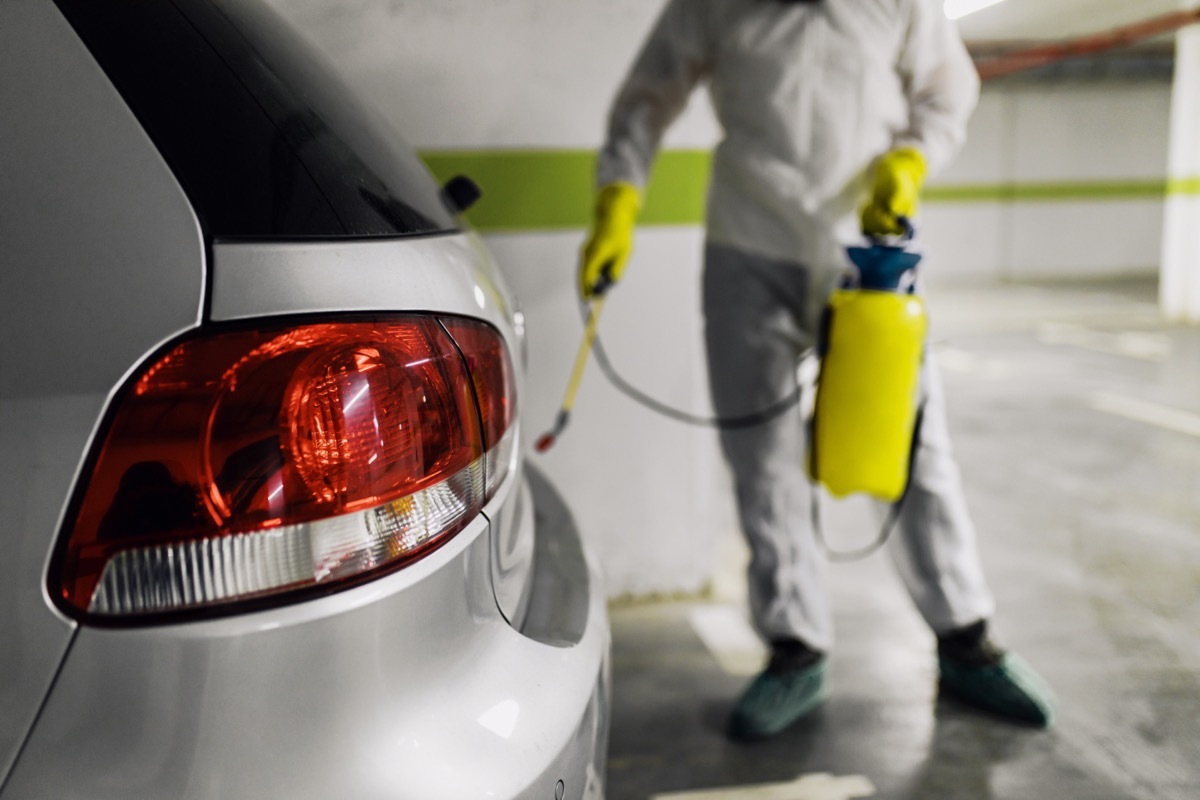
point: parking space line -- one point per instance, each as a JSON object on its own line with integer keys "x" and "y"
{"x": 1171, "y": 419}
{"x": 1131, "y": 344}
{"x": 729, "y": 638}
{"x": 952, "y": 359}
{"x": 817, "y": 786}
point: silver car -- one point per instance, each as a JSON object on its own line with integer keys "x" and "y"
{"x": 266, "y": 522}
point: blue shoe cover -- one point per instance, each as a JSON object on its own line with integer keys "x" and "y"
{"x": 774, "y": 700}
{"x": 1009, "y": 689}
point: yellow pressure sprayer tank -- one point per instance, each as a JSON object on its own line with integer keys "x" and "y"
{"x": 871, "y": 346}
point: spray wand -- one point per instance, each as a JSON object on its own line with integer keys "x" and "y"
{"x": 595, "y": 306}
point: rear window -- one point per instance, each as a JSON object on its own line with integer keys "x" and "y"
{"x": 263, "y": 137}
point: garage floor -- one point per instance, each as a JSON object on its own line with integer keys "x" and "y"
{"x": 1076, "y": 415}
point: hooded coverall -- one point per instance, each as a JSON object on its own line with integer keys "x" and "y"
{"x": 808, "y": 95}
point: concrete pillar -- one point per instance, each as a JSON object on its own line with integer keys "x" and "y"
{"x": 1179, "y": 282}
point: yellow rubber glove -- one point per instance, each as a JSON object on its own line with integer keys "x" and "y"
{"x": 608, "y": 247}
{"x": 899, "y": 174}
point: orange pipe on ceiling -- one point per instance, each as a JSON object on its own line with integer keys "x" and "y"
{"x": 991, "y": 67}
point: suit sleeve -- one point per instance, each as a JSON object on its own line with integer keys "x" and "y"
{"x": 940, "y": 81}
{"x": 673, "y": 59}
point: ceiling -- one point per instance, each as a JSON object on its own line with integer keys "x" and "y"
{"x": 1059, "y": 19}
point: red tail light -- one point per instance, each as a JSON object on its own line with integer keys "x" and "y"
{"x": 269, "y": 464}
{"x": 491, "y": 371}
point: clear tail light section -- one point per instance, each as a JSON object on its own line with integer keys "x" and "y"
{"x": 249, "y": 468}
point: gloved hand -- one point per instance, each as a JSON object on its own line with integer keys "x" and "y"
{"x": 611, "y": 240}
{"x": 899, "y": 174}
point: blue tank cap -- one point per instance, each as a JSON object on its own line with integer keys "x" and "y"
{"x": 884, "y": 266}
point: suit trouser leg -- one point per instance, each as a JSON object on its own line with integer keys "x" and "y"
{"x": 934, "y": 547}
{"x": 754, "y": 333}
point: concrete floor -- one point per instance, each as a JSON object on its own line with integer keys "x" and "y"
{"x": 1076, "y": 415}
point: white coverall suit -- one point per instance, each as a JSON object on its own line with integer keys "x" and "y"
{"x": 808, "y": 94}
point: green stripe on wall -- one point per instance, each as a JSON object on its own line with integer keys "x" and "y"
{"x": 1063, "y": 192}
{"x": 547, "y": 190}
{"x": 1183, "y": 186}
{"x": 552, "y": 189}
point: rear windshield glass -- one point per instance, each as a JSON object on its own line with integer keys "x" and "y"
{"x": 263, "y": 137}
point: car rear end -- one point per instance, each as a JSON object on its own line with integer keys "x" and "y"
{"x": 270, "y": 528}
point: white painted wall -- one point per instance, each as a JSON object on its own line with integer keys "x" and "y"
{"x": 1039, "y": 134}
{"x": 652, "y": 496}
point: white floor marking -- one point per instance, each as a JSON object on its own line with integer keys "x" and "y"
{"x": 818, "y": 786}
{"x": 1171, "y": 419}
{"x": 728, "y": 636}
{"x": 1133, "y": 344}
{"x": 952, "y": 359}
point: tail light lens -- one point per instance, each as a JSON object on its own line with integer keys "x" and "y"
{"x": 254, "y": 467}
{"x": 491, "y": 372}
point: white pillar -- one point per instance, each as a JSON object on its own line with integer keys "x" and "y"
{"x": 1179, "y": 280}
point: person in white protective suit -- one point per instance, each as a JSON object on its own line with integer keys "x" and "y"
{"x": 828, "y": 108}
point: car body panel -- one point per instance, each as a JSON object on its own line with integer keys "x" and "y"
{"x": 446, "y": 274}
{"x": 223, "y": 713}
{"x": 513, "y": 552}
{"x": 81, "y": 181}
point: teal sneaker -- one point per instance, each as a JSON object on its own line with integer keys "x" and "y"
{"x": 793, "y": 685}
{"x": 976, "y": 672}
